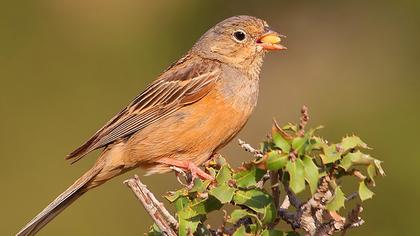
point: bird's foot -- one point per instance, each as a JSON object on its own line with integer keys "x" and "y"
{"x": 194, "y": 170}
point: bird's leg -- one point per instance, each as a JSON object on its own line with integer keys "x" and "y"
{"x": 187, "y": 165}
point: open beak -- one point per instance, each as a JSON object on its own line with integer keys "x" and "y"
{"x": 270, "y": 41}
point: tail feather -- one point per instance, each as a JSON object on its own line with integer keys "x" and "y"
{"x": 60, "y": 203}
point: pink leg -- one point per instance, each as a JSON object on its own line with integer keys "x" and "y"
{"x": 187, "y": 165}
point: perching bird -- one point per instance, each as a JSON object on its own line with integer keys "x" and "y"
{"x": 182, "y": 118}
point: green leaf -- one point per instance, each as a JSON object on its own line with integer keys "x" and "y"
{"x": 359, "y": 158}
{"x": 255, "y": 199}
{"x": 296, "y": 173}
{"x": 346, "y": 162}
{"x": 240, "y": 231}
{"x": 248, "y": 177}
{"x": 253, "y": 228}
{"x": 290, "y": 127}
{"x": 172, "y": 196}
{"x": 351, "y": 142}
{"x": 155, "y": 231}
{"x": 180, "y": 203}
{"x": 364, "y": 192}
{"x": 337, "y": 201}
{"x": 238, "y": 214}
{"x": 371, "y": 170}
{"x": 281, "y": 142}
{"x": 186, "y": 226}
{"x": 272, "y": 232}
{"x": 311, "y": 173}
{"x": 204, "y": 206}
{"x": 299, "y": 144}
{"x": 270, "y": 213}
{"x": 276, "y": 161}
{"x": 223, "y": 193}
{"x": 292, "y": 233}
{"x": 196, "y": 207}
{"x": 330, "y": 154}
{"x": 199, "y": 185}
{"x": 317, "y": 143}
{"x": 224, "y": 175}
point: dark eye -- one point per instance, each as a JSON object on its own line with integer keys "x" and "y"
{"x": 239, "y": 35}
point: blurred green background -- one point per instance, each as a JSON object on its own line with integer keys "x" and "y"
{"x": 66, "y": 67}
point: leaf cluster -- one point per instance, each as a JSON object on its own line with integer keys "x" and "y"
{"x": 299, "y": 158}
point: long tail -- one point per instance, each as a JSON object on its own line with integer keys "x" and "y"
{"x": 76, "y": 190}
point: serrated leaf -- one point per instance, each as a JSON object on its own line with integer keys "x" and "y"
{"x": 359, "y": 158}
{"x": 311, "y": 173}
{"x": 270, "y": 214}
{"x": 238, "y": 214}
{"x": 181, "y": 202}
{"x": 172, "y": 196}
{"x": 204, "y": 206}
{"x": 154, "y": 231}
{"x": 317, "y": 143}
{"x": 297, "y": 175}
{"x": 272, "y": 232}
{"x": 371, "y": 170}
{"x": 187, "y": 226}
{"x": 249, "y": 177}
{"x": 364, "y": 192}
{"x": 299, "y": 143}
{"x": 223, "y": 193}
{"x": 346, "y": 162}
{"x": 351, "y": 142}
{"x": 254, "y": 228}
{"x": 337, "y": 201}
{"x": 276, "y": 161}
{"x": 187, "y": 212}
{"x": 199, "y": 185}
{"x": 255, "y": 199}
{"x": 280, "y": 142}
{"x": 240, "y": 231}
{"x": 330, "y": 154}
{"x": 224, "y": 174}
{"x": 291, "y": 127}
{"x": 379, "y": 167}
{"x": 196, "y": 207}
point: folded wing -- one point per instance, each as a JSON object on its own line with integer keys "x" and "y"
{"x": 183, "y": 83}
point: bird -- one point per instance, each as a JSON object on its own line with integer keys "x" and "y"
{"x": 188, "y": 113}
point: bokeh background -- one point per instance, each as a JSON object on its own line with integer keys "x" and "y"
{"x": 66, "y": 67}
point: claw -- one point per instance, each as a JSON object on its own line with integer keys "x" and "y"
{"x": 179, "y": 166}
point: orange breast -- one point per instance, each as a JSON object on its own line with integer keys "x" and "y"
{"x": 192, "y": 133}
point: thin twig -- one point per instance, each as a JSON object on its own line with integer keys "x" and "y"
{"x": 250, "y": 149}
{"x": 260, "y": 184}
{"x": 163, "y": 219}
{"x": 275, "y": 192}
{"x": 294, "y": 200}
{"x": 304, "y": 118}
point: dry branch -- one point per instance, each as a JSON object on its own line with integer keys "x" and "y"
{"x": 163, "y": 219}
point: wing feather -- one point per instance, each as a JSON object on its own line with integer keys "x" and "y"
{"x": 182, "y": 84}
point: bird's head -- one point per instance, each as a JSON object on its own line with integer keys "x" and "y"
{"x": 238, "y": 41}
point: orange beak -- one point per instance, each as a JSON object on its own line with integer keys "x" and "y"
{"x": 270, "y": 41}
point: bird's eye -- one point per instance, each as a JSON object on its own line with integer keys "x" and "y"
{"x": 239, "y": 35}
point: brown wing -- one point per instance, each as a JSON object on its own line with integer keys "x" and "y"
{"x": 182, "y": 84}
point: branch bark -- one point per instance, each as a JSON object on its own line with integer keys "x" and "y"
{"x": 157, "y": 211}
